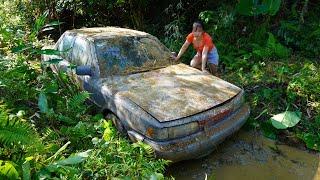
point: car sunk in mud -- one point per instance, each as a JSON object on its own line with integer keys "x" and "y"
{"x": 181, "y": 112}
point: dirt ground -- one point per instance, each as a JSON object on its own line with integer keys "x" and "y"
{"x": 249, "y": 155}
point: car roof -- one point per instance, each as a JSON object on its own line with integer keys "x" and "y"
{"x": 106, "y": 32}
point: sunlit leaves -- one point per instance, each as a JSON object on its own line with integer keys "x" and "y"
{"x": 286, "y": 119}
{"x": 109, "y": 131}
{"x": 8, "y": 170}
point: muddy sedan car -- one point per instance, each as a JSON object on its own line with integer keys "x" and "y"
{"x": 179, "y": 111}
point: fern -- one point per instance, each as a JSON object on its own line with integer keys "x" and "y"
{"x": 14, "y": 131}
{"x": 77, "y": 101}
{"x": 145, "y": 147}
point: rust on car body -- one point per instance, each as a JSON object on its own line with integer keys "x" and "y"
{"x": 178, "y": 110}
{"x": 173, "y": 92}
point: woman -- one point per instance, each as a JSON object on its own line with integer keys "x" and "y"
{"x": 206, "y": 51}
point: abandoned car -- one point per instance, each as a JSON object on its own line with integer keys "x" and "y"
{"x": 181, "y": 112}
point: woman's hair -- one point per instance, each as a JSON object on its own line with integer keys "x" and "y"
{"x": 197, "y": 24}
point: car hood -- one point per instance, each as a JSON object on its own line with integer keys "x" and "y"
{"x": 173, "y": 92}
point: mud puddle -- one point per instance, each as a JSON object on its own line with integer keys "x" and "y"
{"x": 248, "y": 155}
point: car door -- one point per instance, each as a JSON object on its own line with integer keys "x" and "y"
{"x": 83, "y": 55}
{"x": 64, "y": 45}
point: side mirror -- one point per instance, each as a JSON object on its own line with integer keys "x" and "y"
{"x": 84, "y": 70}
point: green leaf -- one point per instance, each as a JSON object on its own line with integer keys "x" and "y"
{"x": 286, "y": 119}
{"x": 26, "y": 170}
{"x": 53, "y": 23}
{"x": 108, "y": 133}
{"x": 53, "y": 61}
{"x": 21, "y": 48}
{"x": 59, "y": 151}
{"x": 268, "y": 130}
{"x": 43, "y": 103}
{"x": 50, "y": 26}
{"x": 156, "y": 176}
{"x": 271, "y": 40}
{"x": 273, "y": 6}
{"x": 245, "y": 7}
{"x": 74, "y": 159}
{"x": 46, "y": 51}
{"x": 8, "y": 170}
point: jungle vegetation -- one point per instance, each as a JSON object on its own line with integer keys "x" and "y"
{"x": 271, "y": 48}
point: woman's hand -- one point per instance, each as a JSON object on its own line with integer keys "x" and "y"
{"x": 175, "y": 58}
{"x": 204, "y": 71}
{"x": 182, "y": 50}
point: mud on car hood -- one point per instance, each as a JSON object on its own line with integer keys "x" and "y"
{"x": 173, "y": 92}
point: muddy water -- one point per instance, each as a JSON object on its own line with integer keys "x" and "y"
{"x": 248, "y": 155}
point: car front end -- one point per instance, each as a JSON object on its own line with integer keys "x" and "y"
{"x": 199, "y": 136}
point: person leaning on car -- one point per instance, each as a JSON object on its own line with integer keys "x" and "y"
{"x": 207, "y": 53}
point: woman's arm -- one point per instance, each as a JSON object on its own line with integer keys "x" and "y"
{"x": 204, "y": 58}
{"x": 182, "y": 50}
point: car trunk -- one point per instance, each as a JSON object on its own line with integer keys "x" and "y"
{"x": 173, "y": 92}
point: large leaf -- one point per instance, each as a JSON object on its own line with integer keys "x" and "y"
{"x": 8, "y": 170}
{"x": 156, "y": 176}
{"x": 273, "y": 6}
{"x": 26, "y": 170}
{"x": 21, "y": 48}
{"x": 43, "y": 103}
{"x": 66, "y": 164}
{"x": 50, "y": 26}
{"x": 245, "y": 7}
{"x": 74, "y": 159}
{"x": 53, "y": 61}
{"x": 286, "y": 119}
{"x": 46, "y": 51}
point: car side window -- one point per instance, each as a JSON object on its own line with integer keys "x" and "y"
{"x": 81, "y": 52}
{"x": 64, "y": 45}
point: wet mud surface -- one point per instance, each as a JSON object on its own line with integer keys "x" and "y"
{"x": 249, "y": 155}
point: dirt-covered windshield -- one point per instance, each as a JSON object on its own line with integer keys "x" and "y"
{"x": 130, "y": 54}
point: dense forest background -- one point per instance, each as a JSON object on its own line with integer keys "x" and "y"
{"x": 271, "y": 48}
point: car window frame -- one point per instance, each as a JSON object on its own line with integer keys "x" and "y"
{"x": 93, "y": 63}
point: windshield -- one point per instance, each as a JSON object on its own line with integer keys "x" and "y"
{"x": 127, "y": 55}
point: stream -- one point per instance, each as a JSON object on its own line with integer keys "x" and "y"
{"x": 249, "y": 155}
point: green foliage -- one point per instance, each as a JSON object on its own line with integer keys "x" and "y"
{"x": 114, "y": 156}
{"x": 43, "y": 103}
{"x": 286, "y": 119}
{"x": 80, "y": 134}
{"x": 269, "y": 62}
{"x": 54, "y": 106}
{"x": 64, "y": 167}
{"x": 272, "y": 49}
{"x": 66, "y": 110}
{"x": 310, "y": 134}
{"x": 8, "y": 170}
{"x": 305, "y": 85}
{"x": 301, "y": 36}
{"x": 14, "y": 131}
{"x": 256, "y": 7}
